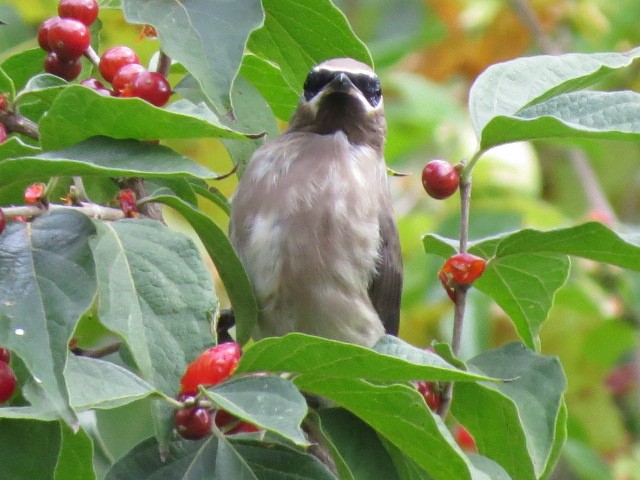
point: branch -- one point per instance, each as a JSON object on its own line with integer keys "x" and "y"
{"x": 89, "y": 209}
{"x": 151, "y": 210}
{"x": 97, "y": 352}
{"x": 19, "y": 124}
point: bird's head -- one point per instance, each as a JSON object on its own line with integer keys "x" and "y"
{"x": 342, "y": 94}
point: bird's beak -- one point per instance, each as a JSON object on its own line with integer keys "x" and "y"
{"x": 341, "y": 83}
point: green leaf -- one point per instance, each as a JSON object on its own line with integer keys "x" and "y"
{"x": 29, "y": 449}
{"x": 218, "y": 458}
{"x": 107, "y": 157}
{"x": 270, "y": 402}
{"x": 407, "y": 469}
{"x": 298, "y": 34}
{"x": 505, "y": 88}
{"x": 358, "y": 444}
{"x": 47, "y": 282}
{"x": 22, "y": 66}
{"x": 80, "y": 112}
{"x": 488, "y": 466}
{"x": 76, "y": 456}
{"x": 522, "y": 413}
{"x": 14, "y": 147}
{"x": 523, "y": 283}
{"x": 585, "y": 462}
{"x": 95, "y": 383}
{"x": 316, "y": 357}
{"x": 157, "y": 295}
{"x": 400, "y": 414}
{"x": 208, "y": 37}
{"x": 228, "y": 265}
{"x": 599, "y": 115}
{"x": 559, "y": 440}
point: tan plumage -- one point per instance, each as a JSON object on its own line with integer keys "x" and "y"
{"x": 311, "y": 218}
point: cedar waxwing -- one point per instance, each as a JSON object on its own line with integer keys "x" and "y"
{"x": 312, "y": 220}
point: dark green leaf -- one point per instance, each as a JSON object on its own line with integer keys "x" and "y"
{"x": 407, "y": 468}
{"x": 298, "y": 34}
{"x": 213, "y": 195}
{"x": 217, "y": 458}
{"x": 106, "y": 157}
{"x": 319, "y": 357}
{"x": 22, "y": 66}
{"x": 47, "y": 281}
{"x": 80, "y": 112}
{"x": 231, "y": 271}
{"x": 156, "y": 293}
{"x": 208, "y": 37}
{"x": 76, "y": 456}
{"x": 35, "y": 462}
{"x": 522, "y": 413}
{"x": 95, "y": 383}
{"x": 358, "y": 444}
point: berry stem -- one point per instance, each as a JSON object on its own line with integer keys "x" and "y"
{"x": 19, "y": 124}
{"x": 93, "y": 57}
{"x": 171, "y": 401}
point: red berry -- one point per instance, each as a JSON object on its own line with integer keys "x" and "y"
{"x": 465, "y": 268}
{"x": 127, "y": 200}
{"x": 69, "y": 38}
{"x": 211, "y": 367}
{"x": 152, "y": 87}
{"x": 4, "y": 102}
{"x": 3, "y": 133}
{"x": 43, "y": 33}
{"x": 96, "y": 85}
{"x": 430, "y": 394}
{"x": 85, "y": 11}
{"x": 7, "y": 382}
{"x": 114, "y": 59}
{"x": 123, "y": 79}
{"x": 5, "y": 355}
{"x": 34, "y": 192}
{"x": 243, "y": 427}
{"x": 193, "y": 423}
{"x": 440, "y": 179}
{"x": 3, "y": 220}
{"x": 622, "y": 379}
{"x": 67, "y": 70}
{"x": 464, "y": 439}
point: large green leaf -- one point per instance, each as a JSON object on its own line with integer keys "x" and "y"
{"x": 47, "y": 281}
{"x": 14, "y": 147}
{"x": 315, "y": 357}
{"x": 228, "y": 265}
{"x": 80, "y": 112}
{"x": 598, "y": 115}
{"x": 102, "y": 156}
{"x": 208, "y": 37}
{"x": 506, "y": 88}
{"x": 22, "y": 66}
{"x": 29, "y": 449}
{"x": 95, "y": 383}
{"x": 298, "y": 34}
{"x": 522, "y": 413}
{"x": 526, "y": 268}
{"x": 156, "y": 293}
{"x": 270, "y": 402}
{"x": 218, "y": 458}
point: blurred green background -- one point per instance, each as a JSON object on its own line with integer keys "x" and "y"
{"x": 428, "y": 53}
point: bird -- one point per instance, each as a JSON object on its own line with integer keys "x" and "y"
{"x": 312, "y": 219}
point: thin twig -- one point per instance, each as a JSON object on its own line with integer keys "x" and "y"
{"x": 93, "y": 57}
{"x": 19, "y": 124}
{"x": 97, "y": 352}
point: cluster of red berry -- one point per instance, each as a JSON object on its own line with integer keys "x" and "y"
{"x": 7, "y": 377}
{"x": 194, "y": 420}
{"x": 441, "y": 180}
{"x": 67, "y": 38}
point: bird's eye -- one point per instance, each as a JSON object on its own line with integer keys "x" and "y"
{"x": 370, "y": 88}
{"x": 316, "y": 81}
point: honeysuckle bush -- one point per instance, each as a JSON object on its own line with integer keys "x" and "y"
{"x": 144, "y": 287}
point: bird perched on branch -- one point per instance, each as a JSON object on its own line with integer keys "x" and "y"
{"x": 312, "y": 220}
